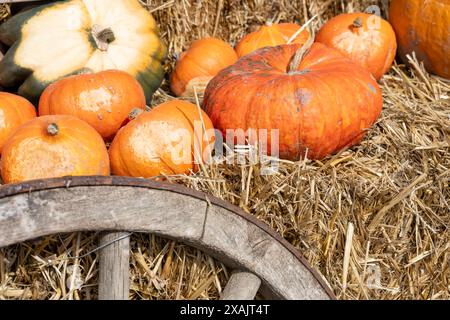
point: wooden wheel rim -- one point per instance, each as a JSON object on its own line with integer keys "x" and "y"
{"x": 43, "y": 207}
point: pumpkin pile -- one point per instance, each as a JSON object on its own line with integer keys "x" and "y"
{"x": 92, "y": 80}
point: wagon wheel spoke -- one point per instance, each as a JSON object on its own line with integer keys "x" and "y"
{"x": 241, "y": 286}
{"x": 114, "y": 266}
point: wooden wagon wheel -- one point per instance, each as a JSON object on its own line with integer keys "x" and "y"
{"x": 258, "y": 255}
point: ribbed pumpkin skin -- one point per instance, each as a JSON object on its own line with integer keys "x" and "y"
{"x": 324, "y": 107}
{"x": 372, "y": 45}
{"x": 152, "y": 144}
{"x": 104, "y": 100}
{"x": 32, "y": 153}
{"x": 197, "y": 65}
{"x": 423, "y": 27}
{"x": 270, "y": 35}
{"x": 58, "y": 39}
{"x": 14, "y": 111}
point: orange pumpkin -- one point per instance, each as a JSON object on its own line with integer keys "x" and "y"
{"x": 367, "y": 39}
{"x": 53, "y": 146}
{"x": 14, "y": 111}
{"x": 102, "y": 99}
{"x": 199, "y": 64}
{"x": 423, "y": 27}
{"x": 163, "y": 141}
{"x": 271, "y": 35}
{"x": 320, "y": 102}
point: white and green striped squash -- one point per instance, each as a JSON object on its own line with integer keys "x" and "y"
{"x": 62, "y": 38}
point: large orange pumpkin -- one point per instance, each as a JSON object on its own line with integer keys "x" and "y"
{"x": 271, "y": 35}
{"x": 423, "y": 27}
{"x": 199, "y": 64}
{"x": 53, "y": 146}
{"x": 102, "y": 99}
{"x": 163, "y": 141}
{"x": 14, "y": 111}
{"x": 321, "y": 102}
{"x": 366, "y": 38}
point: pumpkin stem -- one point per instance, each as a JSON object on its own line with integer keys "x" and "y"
{"x": 102, "y": 36}
{"x": 357, "y": 23}
{"x": 52, "y": 129}
{"x": 134, "y": 113}
{"x": 298, "y": 57}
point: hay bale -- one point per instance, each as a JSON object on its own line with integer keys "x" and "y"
{"x": 392, "y": 189}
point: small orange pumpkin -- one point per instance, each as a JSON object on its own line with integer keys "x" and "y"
{"x": 163, "y": 141}
{"x": 365, "y": 38}
{"x": 199, "y": 64}
{"x": 14, "y": 111}
{"x": 102, "y": 99}
{"x": 271, "y": 35}
{"x": 53, "y": 146}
